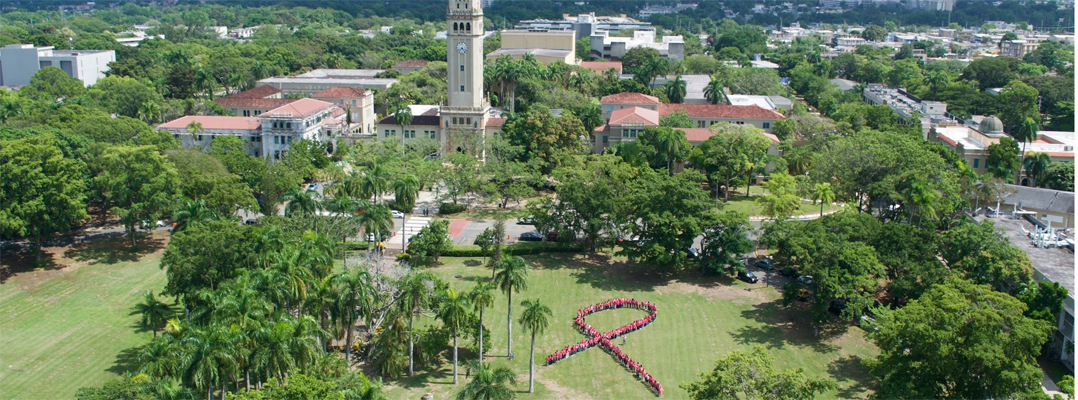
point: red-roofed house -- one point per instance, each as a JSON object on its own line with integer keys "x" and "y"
{"x": 409, "y": 66}
{"x": 624, "y": 100}
{"x": 251, "y": 103}
{"x": 705, "y": 115}
{"x": 602, "y": 66}
{"x": 358, "y": 103}
{"x": 625, "y": 125}
{"x": 269, "y": 135}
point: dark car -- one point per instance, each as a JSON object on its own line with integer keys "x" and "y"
{"x": 530, "y": 237}
{"x": 765, "y": 265}
{"x": 789, "y": 272}
{"x": 747, "y": 276}
{"x": 251, "y": 222}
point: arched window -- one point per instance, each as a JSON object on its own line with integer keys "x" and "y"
{"x": 468, "y": 27}
{"x": 455, "y": 26}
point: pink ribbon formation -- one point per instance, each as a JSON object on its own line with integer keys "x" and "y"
{"x": 595, "y": 338}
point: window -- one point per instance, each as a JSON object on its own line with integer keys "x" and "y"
{"x": 276, "y": 154}
{"x": 431, "y": 134}
{"x": 609, "y": 108}
{"x": 606, "y": 139}
{"x": 976, "y": 163}
{"x": 257, "y": 113}
{"x": 767, "y": 125}
{"x": 410, "y": 134}
{"x": 198, "y": 137}
{"x": 289, "y": 140}
{"x": 288, "y": 125}
{"x": 246, "y": 113}
{"x": 462, "y": 68}
{"x": 353, "y": 103}
{"x": 462, "y": 88}
{"x": 629, "y": 133}
{"x": 469, "y": 120}
{"x": 699, "y": 124}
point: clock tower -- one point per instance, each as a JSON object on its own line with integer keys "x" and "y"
{"x": 464, "y": 117}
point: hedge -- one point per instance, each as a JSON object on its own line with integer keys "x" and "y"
{"x": 450, "y": 208}
{"x": 356, "y": 245}
{"x": 518, "y": 249}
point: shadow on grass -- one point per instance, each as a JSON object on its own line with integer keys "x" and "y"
{"x": 852, "y": 376}
{"x": 600, "y": 272}
{"x": 126, "y": 361}
{"x": 15, "y": 259}
{"x": 472, "y": 263}
{"x": 781, "y": 328}
{"x": 112, "y": 248}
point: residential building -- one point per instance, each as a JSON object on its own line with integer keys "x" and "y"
{"x": 19, "y": 62}
{"x": 705, "y": 115}
{"x": 1018, "y": 48}
{"x": 409, "y": 66}
{"x": 618, "y": 101}
{"x": 546, "y": 46}
{"x": 650, "y": 10}
{"x": 253, "y": 102}
{"x": 358, "y": 105}
{"x": 614, "y": 47}
{"x": 585, "y": 25}
{"x": 270, "y": 135}
{"x": 600, "y": 67}
{"x": 932, "y": 5}
{"x": 321, "y": 79}
{"x": 972, "y": 143}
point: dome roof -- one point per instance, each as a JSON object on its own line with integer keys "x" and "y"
{"x": 991, "y": 125}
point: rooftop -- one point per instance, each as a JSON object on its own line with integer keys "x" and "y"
{"x": 253, "y": 102}
{"x": 601, "y": 66}
{"x": 301, "y": 108}
{"x": 629, "y": 98}
{"x": 537, "y": 52}
{"x": 336, "y": 92}
{"x": 214, "y": 122}
{"x": 411, "y": 64}
{"x": 254, "y": 93}
{"x": 1056, "y": 201}
{"x": 720, "y": 111}
{"x": 341, "y": 73}
{"x": 1054, "y": 264}
{"x": 634, "y": 115}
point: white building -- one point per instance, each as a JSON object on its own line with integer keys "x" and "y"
{"x": 19, "y": 62}
{"x": 585, "y": 25}
{"x": 648, "y": 11}
{"x": 322, "y": 79}
{"x": 605, "y": 46}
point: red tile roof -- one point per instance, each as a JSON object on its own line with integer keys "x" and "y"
{"x": 256, "y": 93}
{"x": 339, "y": 92}
{"x": 720, "y": 111}
{"x": 495, "y": 122}
{"x": 252, "y": 102}
{"x": 699, "y": 135}
{"x": 630, "y": 98}
{"x": 300, "y": 108}
{"x": 411, "y": 64}
{"x": 601, "y": 66}
{"x": 214, "y": 122}
{"x": 638, "y": 115}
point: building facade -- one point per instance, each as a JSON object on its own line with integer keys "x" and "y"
{"x": 465, "y": 115}
{"x": 19, "y": 63}
{"x": 546, "y": 46}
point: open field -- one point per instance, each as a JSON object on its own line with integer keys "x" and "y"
{"x": 699, "y": 320}
{"x": 68, "y": 325}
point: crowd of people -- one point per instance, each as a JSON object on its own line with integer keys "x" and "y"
{"x": 594, "y": 337}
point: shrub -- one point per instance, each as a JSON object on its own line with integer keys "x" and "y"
{"x": 518, "y": 249}
{"x": 451, "y": 208}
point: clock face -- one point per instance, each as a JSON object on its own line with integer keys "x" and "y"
{"x": 462, "y": 48}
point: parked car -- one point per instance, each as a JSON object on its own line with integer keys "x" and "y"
{"x": 526, "y": 221}
{"x": 765, "y": 264}
{"x": 251, "y": 222}
{"x": 747, "y": 276}
{"x": 552, "y": 236}
{"x": 480, "y": 240}
{"x": 397, "y": 214}
{"x": 530, "y": 237}
{"x": 312, "y": 186}
{"x": 802, "y": 295}
{"x": 692, "y": 252}
{"x": 805, "y": 280}
{"x": 789, "y": 272}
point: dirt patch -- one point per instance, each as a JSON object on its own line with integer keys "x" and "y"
{"x": 24, "y": 269}
{"x": 736, "y": 293}
{"x": 559, "y": 391}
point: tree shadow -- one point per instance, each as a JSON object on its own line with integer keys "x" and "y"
{"x": 852, "y": 376}
{"x": 126, "y": 361}
{"x": 17, "y": 259}
{"x": 111, "y": 248}
{"x": 780, "y": 328}
{"x": 472, "y": 263}
{"x": 601, "y": 272}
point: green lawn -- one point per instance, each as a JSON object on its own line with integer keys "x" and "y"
{"x": 699, "y": 320}
{"x": 68, "y": 325}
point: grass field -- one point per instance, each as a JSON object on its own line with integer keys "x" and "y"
{"x": 699, "y": 320}
{"x": 68, "y": 325}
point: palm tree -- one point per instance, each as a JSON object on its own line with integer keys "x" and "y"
{"x": 1037, "y": 167}
{"x": 1026, "y": 133}
{"x": 193, "y": 212}
{"x": 355, "y": 299}
{"x": 714, "y": 91}
{"x": 657, "y": 67}
{"x": 149, "y": 111}
{"x": 535, "y": 318}
{"x": 403, "y": 116}
{"x": 672, "y": 144}
{"x": 405, "y": 190}
{"x": 376, "y": 182}
{"x": 482, "y": 296}
{"x": 194, "y": 128}
{"x": 675, "y": 90}
{"x": 301, "y": 201}
{"x": 207, "y": 358}
{"x": 453, "y": 311}
{"x": 935, "y": 80}
{"x": 489, "y": 384}
{"x": 204, "y": 81}
{"x": 154, "y": 312}
{"x": 824, "y": 194}
{"x": 512, "y": 277}
{"x": 415, "y": 295}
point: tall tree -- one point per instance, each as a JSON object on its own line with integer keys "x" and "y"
{"x": 535, "y": 318}
{"x": 675, "y": 90}
{"x": 153, "y": 313}
{"x": 481, "y": 297}
{"x": 726, "y": 241}
{"x": 512, "y": 277}
{"x": 781, "y": 200}
{"x": 752, "y": 375}
{"x": 1037, "y": 168}
{"x": 453, "y": 311}
{"x": 43, "y": 191}
{"x": 823, "y": 194}
{"x": 140, "y": 182}
{"x": 959, "y": 340}
{"x": 416, "y": 290}
{"x": 714, "y": 91}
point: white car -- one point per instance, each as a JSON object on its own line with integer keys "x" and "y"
{"x": 397, "y": 214}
